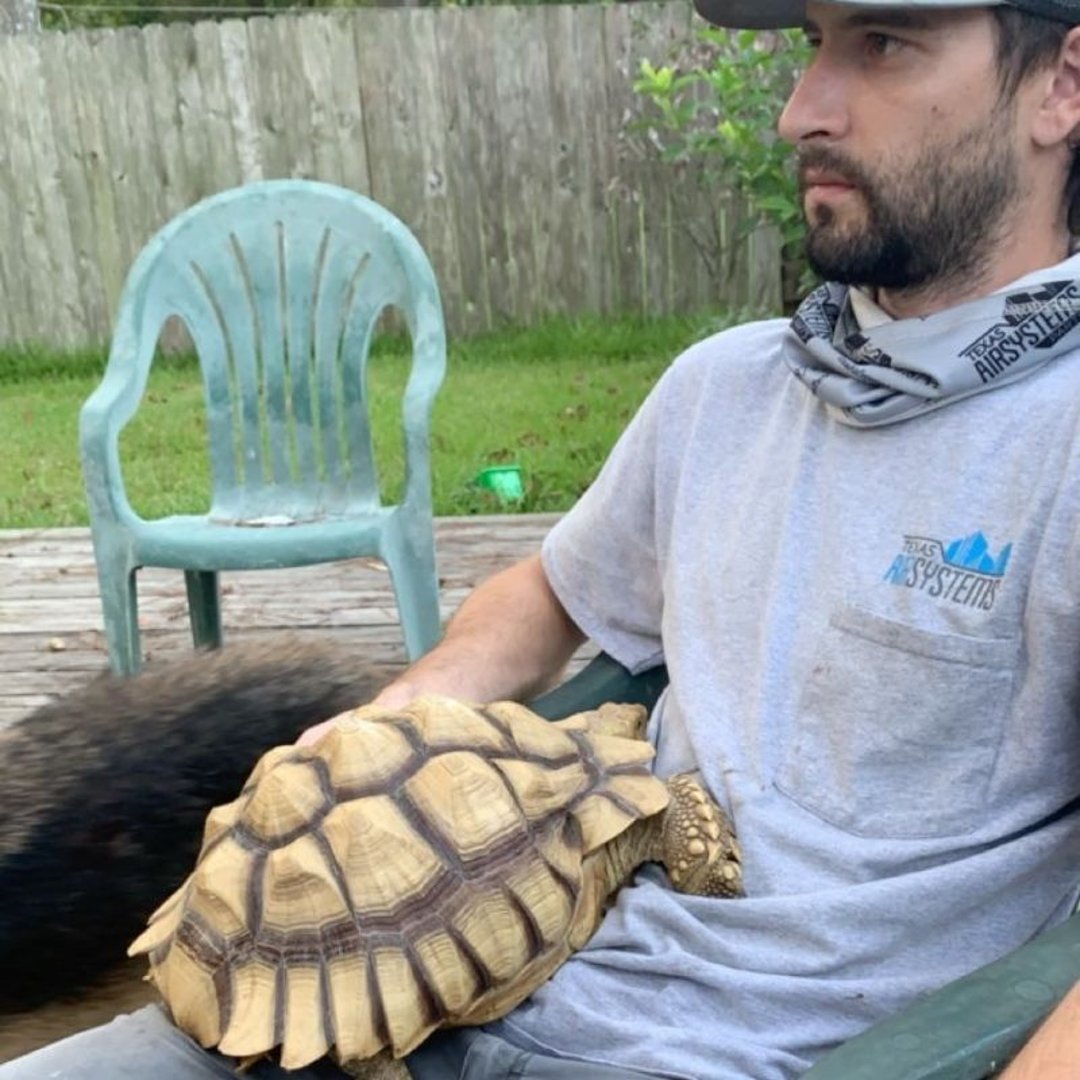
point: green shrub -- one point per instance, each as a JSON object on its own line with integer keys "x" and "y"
{"x": 712, "y": 109}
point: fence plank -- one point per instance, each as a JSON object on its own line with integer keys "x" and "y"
{"x": 269, "y": 110}
{"x": 18, "y": 81}
{"x": 521, "y": 93}
{"x": 339, "y": 61}
{"x": 405, "y": 129}
{"x": 91, "y": 80}
{"x": 295, "y": 104}
{"x": 466, "y": 164}
{"x": 313, "y": 39}
{"x": 15, "y": 278}
{"x": 498, "y": 134}
{"x": 150, "y": 202}
{"x": 195, "y": 140}
{"x": 237, "y": 66}
{"x": 582, "y": 152}
{"x": 109, "y": 103}
{"x": 91, "y": 321}
{"x": 217, "y": 119}
{"x": 51, "y": 232}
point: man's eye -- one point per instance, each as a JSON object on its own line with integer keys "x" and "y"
{"x": 882, "y": 44}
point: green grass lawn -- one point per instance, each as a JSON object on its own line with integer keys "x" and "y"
{"x": 551, "y": 399}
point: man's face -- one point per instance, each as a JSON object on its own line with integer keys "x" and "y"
{"x": 907, "y": 154}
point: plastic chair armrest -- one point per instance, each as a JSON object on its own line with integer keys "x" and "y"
{"x": 602, "y": 679}
{"x": 970, "y": 1027}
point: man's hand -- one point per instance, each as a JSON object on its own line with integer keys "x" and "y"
{"x": 396, "y": 696}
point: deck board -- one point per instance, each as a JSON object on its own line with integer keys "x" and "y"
{"x": 51, "y": 635}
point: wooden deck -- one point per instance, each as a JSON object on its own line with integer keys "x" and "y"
{"x": 50, "y": 614}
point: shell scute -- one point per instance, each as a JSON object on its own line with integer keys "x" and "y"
{"x": 270, "y": 760}
{"x": 541, "y": 793}
{"x": 600, "y": 818}
{"x": 389, "y": 753}
{"x": 540, "y": 892}
{"x": 446, "y": 724}
{"x": 493, "y": 927}
{"x": 286, "y": 800}
{"x": 305, "y": 1038}
{"x": 386, "y": 865}
{"x": 352, "y": 1007}
{"x": 611, "y": 808}
{"x": 611, "y": 752}
{"x": 448, "y": 970}
{"x": 189, "y": 988}
{"x": 252, "y": 1024}
{"x": 221, "y": 820}
{"x": 300, "y": 894}
{"x": 401, "y": 993}
{"x": 533, "y": 740}
{"x": 220, "y": 889}
{"x": 466, "y": 801}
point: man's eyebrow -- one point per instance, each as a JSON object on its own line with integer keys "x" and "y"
{"x": 897, "y": 18}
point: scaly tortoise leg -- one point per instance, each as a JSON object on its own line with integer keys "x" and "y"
{"x": 697, "y": 842}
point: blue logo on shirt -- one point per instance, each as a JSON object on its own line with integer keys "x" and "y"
{"x": 973, "y": 553}
{"x": 964, "y": 571}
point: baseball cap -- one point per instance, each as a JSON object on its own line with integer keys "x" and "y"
{"x": 776, "y": 14}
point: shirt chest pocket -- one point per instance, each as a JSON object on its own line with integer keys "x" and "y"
{"x": 897, "y": 730}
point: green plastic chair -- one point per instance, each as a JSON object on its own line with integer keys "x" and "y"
{"x": 280, "y": 285}
{"x": 966, "y": 1030}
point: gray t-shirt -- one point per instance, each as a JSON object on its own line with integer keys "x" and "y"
{"x": 872, "y": 641}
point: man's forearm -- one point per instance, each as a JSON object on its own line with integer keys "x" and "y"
{"x": 509, "y": 639}
{"x": 1054, "y": 1051}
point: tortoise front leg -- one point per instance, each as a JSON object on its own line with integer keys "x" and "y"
{"x": 697, "y": 842}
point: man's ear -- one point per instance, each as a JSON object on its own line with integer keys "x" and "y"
{"x": 1057, "y": 115}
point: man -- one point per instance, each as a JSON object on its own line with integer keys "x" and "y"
{"x": 854, "y": 540}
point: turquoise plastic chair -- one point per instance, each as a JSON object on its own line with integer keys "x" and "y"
{"x": 966, "y": 1030}
{"x": 280, "y": 285}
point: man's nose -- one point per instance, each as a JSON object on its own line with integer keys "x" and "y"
{"x": 817, "y": 108}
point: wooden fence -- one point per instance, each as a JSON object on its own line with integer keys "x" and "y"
{"x": 498, "y": 134}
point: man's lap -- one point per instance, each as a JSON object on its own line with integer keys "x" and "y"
{"x": 144, "y": 1045}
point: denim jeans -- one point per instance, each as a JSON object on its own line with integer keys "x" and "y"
{"x": 145, "y": 1045}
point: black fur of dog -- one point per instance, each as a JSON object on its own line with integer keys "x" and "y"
{"x": 105, "y": 791}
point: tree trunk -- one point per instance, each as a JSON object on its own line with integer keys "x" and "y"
{"x": 19, "y": 17}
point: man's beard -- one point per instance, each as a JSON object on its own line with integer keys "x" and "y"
{"x": 933, "y": 222}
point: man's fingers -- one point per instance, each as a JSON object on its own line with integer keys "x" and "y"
{"x": 395, "y": 696}
{"x": 313, "y": 734}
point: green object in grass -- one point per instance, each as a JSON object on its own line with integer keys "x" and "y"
{"x": 504, "y": 481}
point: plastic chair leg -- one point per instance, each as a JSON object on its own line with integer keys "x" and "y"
{"x": 204, "y": 606}
{"x": 120, "y": 609}
{"x": 416, "y": 587}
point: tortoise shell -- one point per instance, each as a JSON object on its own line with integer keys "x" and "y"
{"x": 413, "y": 870}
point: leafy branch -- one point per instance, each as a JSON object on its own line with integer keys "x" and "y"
{"x": 713, "y": 110}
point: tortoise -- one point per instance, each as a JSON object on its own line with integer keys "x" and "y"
{"x": 416, "y": 869}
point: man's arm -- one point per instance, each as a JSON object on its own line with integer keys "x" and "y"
{"x": 509, "y": 639}
{"x": 1054, "y": 1051}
